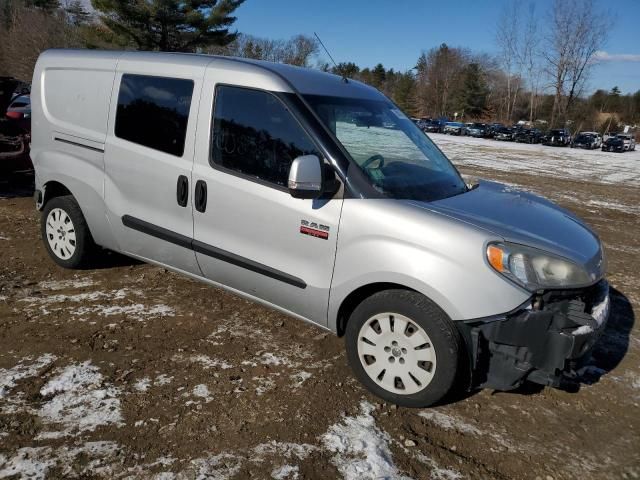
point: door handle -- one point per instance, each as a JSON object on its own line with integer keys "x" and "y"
{"x": 182, "y": 191}
{"x": 201, "y": 196}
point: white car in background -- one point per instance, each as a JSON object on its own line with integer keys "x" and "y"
{"x": 629, "y": 141}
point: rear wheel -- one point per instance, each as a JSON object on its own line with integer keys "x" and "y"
{"x": 403, "y": 348}
{"x": 66, "y": 234}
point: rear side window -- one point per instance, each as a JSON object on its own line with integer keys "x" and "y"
{"x": 255, "y": 135}
{"x": 153, "y": 111}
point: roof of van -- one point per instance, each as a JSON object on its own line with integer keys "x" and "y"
{"x": 306, "y": 81}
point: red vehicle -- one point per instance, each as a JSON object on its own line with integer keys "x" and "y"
{"x": 15, "y": 127}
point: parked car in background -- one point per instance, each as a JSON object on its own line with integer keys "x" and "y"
{"x": 558, "y": 137}
{"x": 19, "y": 111}
{"x": 628, "y": 141}
{"x": 492, "y": 128}
{"x": 528, "y": 135}
{"x": 15, "y": 125}
{"x": 588, "y": 140}
{"x": 14, "y": 149}
{"x": 477, "y": 130}
{"x": 433, "y": 126}
{"x": 613, "y": 144}
{"x": 453, "y": 128}
{"x": 504, "y": 134}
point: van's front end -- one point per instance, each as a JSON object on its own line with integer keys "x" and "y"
{"x": 521, "y": 279}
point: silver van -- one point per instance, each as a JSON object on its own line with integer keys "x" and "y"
{"x": 317, "y": 196}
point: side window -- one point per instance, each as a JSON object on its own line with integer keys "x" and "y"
{"x": 254, "y": 134}
{"x": 153, "y": 111}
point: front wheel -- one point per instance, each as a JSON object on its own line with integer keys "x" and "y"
{"x": 66, "y": 234}
{"x": 403, "y": 348}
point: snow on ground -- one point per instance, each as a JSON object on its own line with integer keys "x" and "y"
{"x": 78, "y": 401}
{"x": 25, "y": 369}
{"x": 449, "y": 422}
{"x": 360, "y": 448}
{"x": 102, "y": 303}
{"x": 585, "y": 165}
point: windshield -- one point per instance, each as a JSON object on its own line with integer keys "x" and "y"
{"x": 399, "y": 160}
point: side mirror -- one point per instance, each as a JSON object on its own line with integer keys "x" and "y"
{"x": 305, "y": 177}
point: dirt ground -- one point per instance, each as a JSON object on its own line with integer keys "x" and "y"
{"x": 130, "y": 371}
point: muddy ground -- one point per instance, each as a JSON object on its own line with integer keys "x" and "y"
{"x": 129, "y": 370}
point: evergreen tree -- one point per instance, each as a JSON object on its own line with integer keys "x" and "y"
{"x": 473, "y": 97}
{"x": 170, "y": 25}
{"x": 378, "y": 76}
{"x": 404, "y": 92}
{"x": 346, "y": 69}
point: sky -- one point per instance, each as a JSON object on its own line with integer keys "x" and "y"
{"x": 394, "y": 33}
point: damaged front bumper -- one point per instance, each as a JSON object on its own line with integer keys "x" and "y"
{"x": 544, "y": 342}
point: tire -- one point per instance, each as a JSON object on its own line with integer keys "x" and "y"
{"x": 65, "y": 233}
{"x": 426, "y": 376}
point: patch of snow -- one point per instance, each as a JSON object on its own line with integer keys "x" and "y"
{"x": 208, "y": 362}
{"x": 285, "y": 472}
{"x": 143, "y": 384}
{"x": 438, "y": 473}
{"x": 283, "y": 449}
{"x": 201, "y": 391}
{"x": 449, "y": 422}
{"x": 587, "y": 165}
{"x": 299, "y": 378}
{"x": 25, "y": 369}
{"x": 79, "y": 401}
{"x": 162, "y": 380}
{"x": 269, "y": 358}
{"x": 28, "y": 462}
{"x": 265, "y": 384}
{"x": 135, "y": 310}
{"x": 34, "y": 463}
{"x": 220, "y": 467}
{"x": 65, "y": 284}
{"x": 360, "y": 448}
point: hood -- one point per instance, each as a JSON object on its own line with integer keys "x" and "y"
{"x": 524, "y": 218}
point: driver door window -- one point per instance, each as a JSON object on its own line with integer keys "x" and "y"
{"x": 255, "y": 136}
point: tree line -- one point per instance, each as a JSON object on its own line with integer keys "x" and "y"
{"x": 540, "y": 72}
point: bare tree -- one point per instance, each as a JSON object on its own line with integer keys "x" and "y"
{"x": 26, "y": 32}
{"x": 527, "y": 54}
{"x": 508, "y": 39}
{"x": 438, "y": 73}
{"x": 576, "y": 31}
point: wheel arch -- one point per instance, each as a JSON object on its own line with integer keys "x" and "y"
{"x": 351, "y": 301}
{"x": 53, "y": 189}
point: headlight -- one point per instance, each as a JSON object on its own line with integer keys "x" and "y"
{"x": 535, "y": 269}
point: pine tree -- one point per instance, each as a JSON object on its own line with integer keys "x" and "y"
{"x": 170, "y": 25}
{"x": 473, "y": 97}
{"x": 404, "y": 92}
{"x": 378, "y": 76}
{"x": 346, "y": 69}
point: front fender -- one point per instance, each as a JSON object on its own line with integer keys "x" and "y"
{"x": 389, "y": 241}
